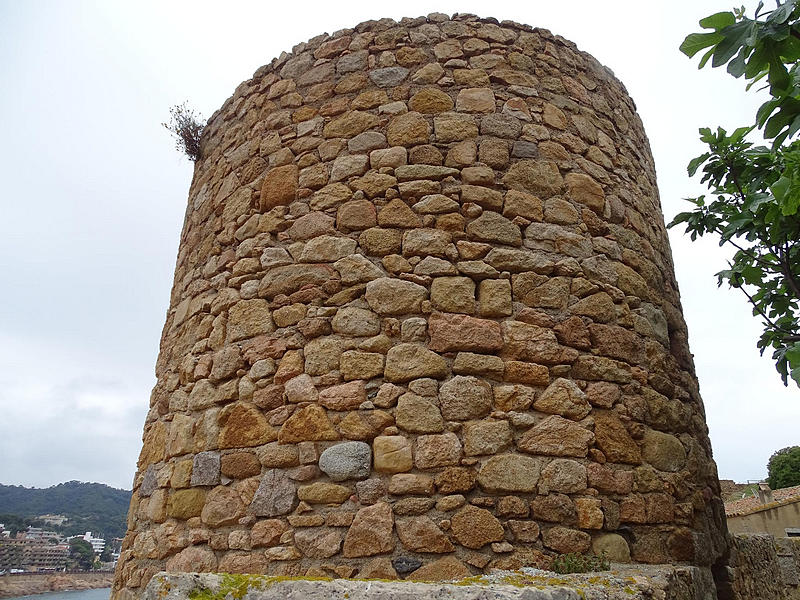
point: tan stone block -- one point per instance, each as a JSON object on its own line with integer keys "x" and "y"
{"x": 461, "y": 332}
{"x": 454, "y": 127}
{"x": 185, "y": 504}
{"x": 408, "y": 129}
{"x": 566, "y": 540}
{"x": 484, "y": 365}
{"x": 448, "y": 568}
{"x": 243, "y": 425}
{"x": 223, "y": 506}
{"x": 404, "y": 484}
{"x": 585, "y": 190}
{"x": 181, "y": 474}
{"x": 309, "y": 423}
{"x": 455, "y": 479}
{"x": 475, "y": 527}
{"x": 510, "y": 473}
{"x": 438, "y": 450}
{"x": 371, "y": 532}
{"x": 563, "y": 397}
{"x": 475, "y": 100}
{"x": 378, "y": 241}
{"x": 392, "y": 454}
{"x": 453, "y": 294}
{"x": 323, "y": 492}
{"x": 421, "y": 534}
{"x": 418, "y": 415}
{"x": 614, "y": 440}
{"x": 525, "y": 372}
{"x": 355, "y": 364}
{"x": 279, "y": 187}
{"x": 486, "y": 437}
{"x": 249, "y": 318}
{"x": 405, "y": 362}
{"x": 513, "y": 397}
{"x": 494, "y": 298}
{"x": 430, "y": 101}
{"x": 540, "y": 178}
{"x": 556, "y": 436}
{"x": 350, "y": 124}
{"x": 345, "y": 396}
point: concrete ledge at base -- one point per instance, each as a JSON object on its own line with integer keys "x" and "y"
{"x": 665, "y": 582}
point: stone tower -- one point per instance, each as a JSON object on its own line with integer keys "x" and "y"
{"x": 424, "y": 323}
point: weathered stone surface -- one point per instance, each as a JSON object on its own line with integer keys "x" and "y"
{"x": 387, "y": 296}
{"x": 350, "y": 124}
{"x": 405, "y": 362}
{"x": 453, "y": 294}
{"x": 408, "y": 129}
{"x": 240, "y": 465}
{"x": 418, "y": 415}
{"x": 565, "y": 540}
{"x": 556, "y": 436}
{"x": 348, "y": 460}
{"x": 613, "y": 546}
{"x": 354, "y": 321}
{"x": 460, "y": 332}
{"x": 309, "y": 423}
{"x": 205, "y": 469}
{"x": 267, "y": 532}
{"x": 437, "y": 451}
{"x": 462, "y": 398}
{"x": 323, "y": 492}
{"x": 563, "y": 475}
{"x": 486, "y": 437}
{"x": 279, "y": 187}
{"x": 185, "y": 504}
{"x": 538, "y": 177}
{"x": 563, "y": 397}
{"x": 346, "y": 396}
{"x": 614, "y": 440}
{"x": 430, "y": 101}
{"x": 276, "y": 495}
{"x": 510, "y": 473}
{"x": 194, "y": 559}
{"x": 249, "y": 318}
{"x": 475, "y": 100}
{"x": 371, "y": 532}
{"x": 318, "y": 542}
{"x": 582, "y": 188}
{"x": 475, "y": 527}
{"x": 241, "y": 425}
{"x": 421, "y": 534}
{"x": 223, "y": 507}
{"x": 392, "y": 454}
{"x": 664, "y": 451}
{"x": 491, "y": 227}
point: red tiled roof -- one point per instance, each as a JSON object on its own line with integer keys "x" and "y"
{"x": 753, "y": 504}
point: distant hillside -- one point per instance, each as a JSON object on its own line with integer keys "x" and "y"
{"x": 91, "y": 507}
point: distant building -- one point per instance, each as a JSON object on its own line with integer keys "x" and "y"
{"x": 32, "y": 555}
{"x": 776, "y": 512}
{"x": 97, "y": 543}
{"x": 56, "y": 520}
{"x": 38, "y": 534}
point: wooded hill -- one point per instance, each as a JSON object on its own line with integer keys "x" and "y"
{"x": 93, "y": 507}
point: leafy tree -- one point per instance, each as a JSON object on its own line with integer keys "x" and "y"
{"x": 755, "y": 190}
{"x": 81, "y": 553}
{"x": 783, "y": 468}
{"x": 105, "y": 556}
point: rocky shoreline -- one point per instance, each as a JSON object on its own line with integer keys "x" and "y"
{"x": 36, "y": 583}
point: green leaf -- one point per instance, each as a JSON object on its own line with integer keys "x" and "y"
{"x": 695, "y": 42}
{"x": 780, "y": 187}
{"x": 735, "y": 36}
{"x": 718, "y": 20}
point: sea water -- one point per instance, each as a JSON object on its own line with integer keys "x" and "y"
{"x": 98, "y": 594}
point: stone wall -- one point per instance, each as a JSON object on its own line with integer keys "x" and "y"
{"x": 424, "y": 323}
{"x": 761, "y": 567}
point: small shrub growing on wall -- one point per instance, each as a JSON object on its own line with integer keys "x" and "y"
{"x": 186, "y": 127}
{"x": 580, "y": 563}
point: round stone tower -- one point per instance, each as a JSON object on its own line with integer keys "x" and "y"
{"x": 424, "y": 323}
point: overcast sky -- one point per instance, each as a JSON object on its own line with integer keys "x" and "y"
{"x": 93, "y": 195}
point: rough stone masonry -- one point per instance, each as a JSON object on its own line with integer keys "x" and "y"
{"x": 424, "y": 324}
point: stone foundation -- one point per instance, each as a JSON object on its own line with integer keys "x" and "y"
{"x": 424, "y": 324}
